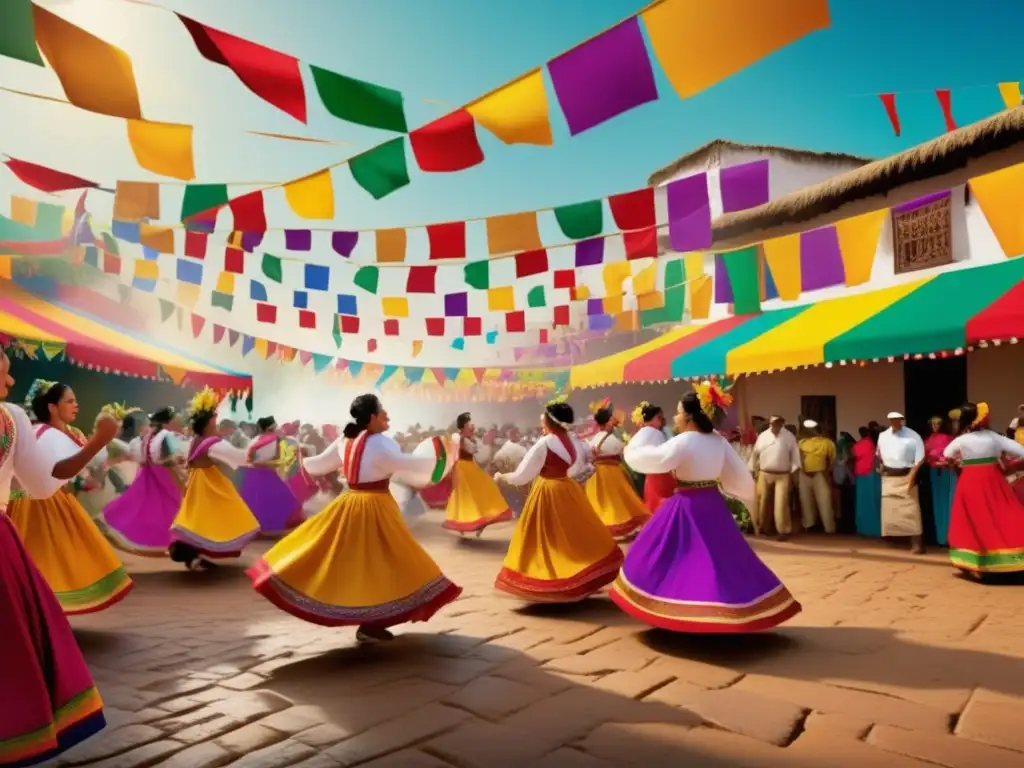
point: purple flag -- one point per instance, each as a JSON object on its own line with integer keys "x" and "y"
{"x": 456, "y": 305}
{"x": 344, "y": 243}
{"x": 595, "y": 307}
{"x": 232, "y": 337}
{"x": 298, "y": 240}
{"x": 590, "y": 252}
{"x": 604, "y": 77}
{"x": 821, "y": 261}
{"x": 600, "y": 322}
{"x": 913, "y": 205}
{"x": 689, "y": 213}
{"x": 251, "y": 241}
{"x": 723, "y": 286}
{"x": 744, "y": 186}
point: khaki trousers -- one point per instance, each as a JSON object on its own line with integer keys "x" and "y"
{"x": 773, "y": 501}
{"x": 816, "y": 501}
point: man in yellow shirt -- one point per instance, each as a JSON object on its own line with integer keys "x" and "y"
{"x": 817, "y": 457}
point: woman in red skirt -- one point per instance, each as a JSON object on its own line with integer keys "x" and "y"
{"x": 651, "y": 422}
{"x": 986, "y": 530}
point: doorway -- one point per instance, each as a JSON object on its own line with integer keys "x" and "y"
{"x": 932, "y": 388}
{"x": 819, "y": 408}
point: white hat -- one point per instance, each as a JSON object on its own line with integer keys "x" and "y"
{"x": 810, "y": 424}
{"x": 893, "y": 415}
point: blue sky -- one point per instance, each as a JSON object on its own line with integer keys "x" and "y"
{"x": 820, "y": 93}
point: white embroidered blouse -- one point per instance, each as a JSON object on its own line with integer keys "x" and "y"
{"x": 982, "y": 444}
{"x": 27, "y": 459}
{"x": 533, "y": 462}
{"x": 382, "y": 459}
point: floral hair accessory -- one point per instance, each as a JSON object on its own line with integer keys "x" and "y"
{"x": 600, "y": 405}
{"x": 983, "y": 412}
{"x": 119, "y": 410}
{"x": 714, "y": 400}
{"x": 637, "y": 417}
{"x": 39, "y": 387}
{"x": 207, "y": 400}
{"x": 557, "y": 401}
{"x": 954, "y": 414}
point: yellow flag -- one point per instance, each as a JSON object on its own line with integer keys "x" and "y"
{"x": 513, "y": 233}
{"x": 417, "y": 347}
{"x": 654, "y": 300}
{"x": 782, "y": 254}
{"x": 501, "y": 299}
{"x": 163, "y": 148}
{"x": 96, "y": 76}
{"x": 188, "y": 294}
{"x": 23, "y": 210}
{"x": 700, "y": 297}
{"x": 52, "y": 349}
{"x": 160, "y": 239}
{"x": 147, "y": 270}
{"x": 693, "y": 265}
{"x": 626, "y": 321}
{"x": 394, "y": 306}
{"x": 5, "y": 268}
{"x": 311, "y": 197}
{"x": 261, "y": 347}
{"x": 646, "y": 280}
{"x": 700, "y": 43}
{"x": 613, "y": 305}
{"x": 858, "y": 243}
{"x": 1011, "y": 94}
{"x": 517, "y": 113}
{"x": 1000, "y": 196}
{"x": 614, "y": 275}
{"x": 226, "y": 283}
{"x": 390, "y": 245}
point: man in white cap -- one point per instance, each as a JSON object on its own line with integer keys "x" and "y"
{"x": 817, "y": 456}
{"x": 900, "y": 455}
{"x": 774, "y": 460}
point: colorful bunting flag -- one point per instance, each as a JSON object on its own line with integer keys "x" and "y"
{"x": 248, "y": 212}
{"x": 448, "y": 240}
{"x": 195, "y": 244}
{"x": 272, "y": 267}
{"x": 298, "y": 240}
{"x": 745, "y": 186}
{"x": 273, "y": 76}
{"x": 946, "y": 105}
{"x": 163, "y": 148}
{"x": 581, "y": 220}
{"x": 421, "y": 280}
{"x": 390, "y": 245}
{"x": 367, "y": 278}
{"x": 46, "y": 179}
{"x": 357, "y": 101}
{"x": 604, "y": 77}
{"x": 633, "y": 210}
{"x": 517, "y": 112}
{"x": 200, "y": 203}
{"x": 136, "y": 200}
{"x": 394, "y": 306}
{"x": 513, "y": 232}
{"x": 531, "y": 263}
{"x": 821, "y": 262}
{"x": 477, "y": 274}
{"x": 689, "y": 213}
{"x": 344, "y": 243}
{"x": 448, "y": 144}
{"x": 381, "y": 170}
{"x": 589, "y": 253}
{"x": 311, "y": 197}
{"x": 1010, "y": 93}
{"x": 741, "y": 268}
{"x": 889, "y": 102}
{"x": 18, "y": 34}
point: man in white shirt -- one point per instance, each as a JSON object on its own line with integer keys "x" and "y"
{"x": 776, "y": 456}
{"x": 900, "y": 456}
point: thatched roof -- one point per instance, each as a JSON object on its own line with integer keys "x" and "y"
{"x": 945, "y": 162}
{"x": 712, "y": 153}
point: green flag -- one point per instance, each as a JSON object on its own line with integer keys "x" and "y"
{"x": 581, "y": 220}
{"x": 382, "y": 170}
{"x": 367, "y": 278}
{"x": 272, "y": 267}
{"x": 18, "y": 33}
{"x": 741, "y": 267}
{"x": 201, "y": 198}
{"x": 336, "y": 332}
{"x": 222, "y": 300}
{"x": 358, "y": 101}
{"x": 535, "y": 298}
{"x": 478, "y": 274}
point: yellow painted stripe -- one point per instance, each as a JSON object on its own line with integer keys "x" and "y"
{"x": 801, "y": 340}
{"x": 609, "y": 370}
{"x": 17, "y": 327}
{"x": 103, "y": 334}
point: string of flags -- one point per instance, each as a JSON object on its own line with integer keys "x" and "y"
{"x": 1009, "y": 92}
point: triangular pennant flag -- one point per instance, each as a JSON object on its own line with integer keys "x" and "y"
{"x": 218, "y": 333}
{"x": 248, "y": 344}
{"x": 233, "y": 338}
{"x": 166, "y": 310}
{"x": 355, "y": 367}
{"x": 197, "y": 325}
{"x": 320, "y": 362}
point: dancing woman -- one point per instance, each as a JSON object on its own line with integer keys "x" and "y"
{"x": 263, "y": 489}
{"x": 68, "y": 548}
{"x": 691, "y": 569}
{"x": 986, "y": 528}
{"x": 50, "y": 703}
{"x": 140, "y": 519}
{"x": 355, "y": 563}
{"x": 213, "y": 521}
{"x": 609, "y": 490}
{"x": 651, "y": 422}
{"x": 560, "y": 551}
{"x": 476, "y": 501}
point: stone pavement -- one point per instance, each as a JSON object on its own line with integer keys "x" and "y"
{"x": 894, "y": 662}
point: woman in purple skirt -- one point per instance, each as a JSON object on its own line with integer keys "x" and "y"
{"x": 272, "y": 502}
{"x": 690, "y": 569}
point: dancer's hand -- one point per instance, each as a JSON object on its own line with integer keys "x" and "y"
{"x": 105, "y": 429}
{"x": 498, "y": 477}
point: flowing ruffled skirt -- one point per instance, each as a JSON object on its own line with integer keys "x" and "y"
{"x": 48, "y": 702}
{"x": 436, "y": 496}
{"x": 71, "y": 552}
{"x": 657, "y": 488}
{"x": 611, "y": 495}
{"x": 213, "y": 519}
{"x": 354, "y": 563}
{"x": 271, "y": 501}
{"x": 139, "y": 520}
{"x": 986, "y": 529}
{"x": 561, "y": 551}
{"x": 475, "y": 501}
{"x": 691, "y": 570}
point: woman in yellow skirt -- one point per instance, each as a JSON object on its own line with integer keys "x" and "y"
{"x": 476, "y": 501}
{"x": 213, "y": 521}
{"x": 561, "y": 551}
{"x": 355, "y": 563}
{"x": 609, "y": 489}
{"x": 68, "y": 548}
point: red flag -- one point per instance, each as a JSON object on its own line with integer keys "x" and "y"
{"x": 561, "y": 315}
{"x": 472, "y": 326}
{"x": 248, "y": 212}
{"x": 435, "y": 326}
{"x": 391, "y": 327}
{"x": 448, "y": 144}
{"x": 633, "y": 210}
{"x": 307, "y": 319}
{"x": 195, "y": 244}
{"x": 642, "y": 243}
{"x": 531, "y": 263}
{"x": 515, "y": 322}
{"x": 946, "y": 103}
{"x": 218, "y": 333}
{"x": 371, "y": 345}
{"x": 889, "y": 102}
{"x": 46, "y": 179}
{"x": 565, "y": 278}
{"x": 448, "y": 240}
{"x": 266, "y": 313}
{"x": 273, "y": 76}
{"x": 197, "y": 325}
{"x": 420, "y": 280}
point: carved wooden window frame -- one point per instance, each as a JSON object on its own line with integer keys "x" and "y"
{"x": 922, "y": 238}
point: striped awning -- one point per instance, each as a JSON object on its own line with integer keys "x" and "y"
{"x": 93, "y": 344}
{"x": 946, "y": 312}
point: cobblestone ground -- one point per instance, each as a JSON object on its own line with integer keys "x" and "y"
{"x": 894, "y": 662}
